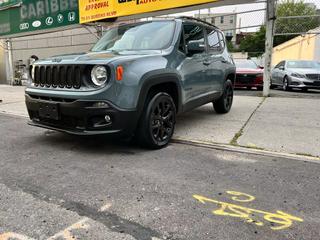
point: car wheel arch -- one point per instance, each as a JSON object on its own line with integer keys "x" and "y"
{"x": 152, "y": 81}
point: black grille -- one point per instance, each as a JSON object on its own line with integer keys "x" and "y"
{"x": 58, "y": 76}
{"x": 314, "y": 76}
{"x": 315, "y": 83}
{"x": 246, "y": 78}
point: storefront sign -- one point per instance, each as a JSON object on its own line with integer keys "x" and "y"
{"x": 93, "y": 10}
{"x": 5, "y": 4}
{"x": 33, "y": 15}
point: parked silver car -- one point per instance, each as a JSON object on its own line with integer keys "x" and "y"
{"x": 296, "y": 74}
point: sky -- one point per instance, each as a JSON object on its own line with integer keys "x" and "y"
{"x": 248, "y": 19}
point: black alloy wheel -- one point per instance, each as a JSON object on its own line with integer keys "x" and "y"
{"x": 224, "y": 103}
{"x": 158, "y": 121}
{"x": 162, "y": 120}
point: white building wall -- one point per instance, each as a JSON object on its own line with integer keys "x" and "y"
{"x": 317, "y": 48}
{"x": 50, "y": 44}
{"x": 224, "y": 21}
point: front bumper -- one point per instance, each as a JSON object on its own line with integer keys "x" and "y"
{"x": 304, "y": 84}
{"x": 242, "y": 85}
{"x": 81, "y": 117}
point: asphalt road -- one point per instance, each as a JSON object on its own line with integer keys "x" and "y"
{"x": 278, "y": 92}
{"x": 55, "y": 186}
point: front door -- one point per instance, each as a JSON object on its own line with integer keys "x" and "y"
{"x": 193, "y": 69}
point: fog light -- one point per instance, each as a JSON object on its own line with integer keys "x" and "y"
{"x": 100, "y": 105}
{"x": 107, "y": 118}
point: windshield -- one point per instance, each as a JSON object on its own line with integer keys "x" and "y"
{"x": 303, "y": 64}
{"x": 140, "y": 36}
{"x": 244, "y": 63}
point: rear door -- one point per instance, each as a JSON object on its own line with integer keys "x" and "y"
{"x": 215, "y": 60}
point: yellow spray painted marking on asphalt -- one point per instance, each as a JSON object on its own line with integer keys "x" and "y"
{"x": 16, "y": 236}
{"x": 282, "y": 219}
{"x": 67, "y": 233}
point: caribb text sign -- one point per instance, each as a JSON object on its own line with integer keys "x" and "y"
{"x": 92, "y": 10}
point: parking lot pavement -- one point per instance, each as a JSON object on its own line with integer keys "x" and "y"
{"x": 24, "y": 217}
{"x": 287, "y": 122}
{"x": 286, "y": 125}
{"x": 279, "y": 93}
{"x": 53, "y": 184}
{"x": 12, "y": 100}
{"x": 204, "y": 124}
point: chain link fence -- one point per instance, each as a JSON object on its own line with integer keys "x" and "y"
{"x": 297, "y": 18}
{"x": 245, "y": 29}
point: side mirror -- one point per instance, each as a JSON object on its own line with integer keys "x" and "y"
{"x": 261, "y": 67}
{"x": 281, "y": 68}
{"x": 194, "y": 47}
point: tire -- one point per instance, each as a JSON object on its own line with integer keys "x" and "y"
{"x": 305, "y": 90}
{"x": 249, "y": 88}
{"x": 260, "y": 88}
{"x": 285, "y": 85}
{"x": 272, "y": 86}
{"x": 224, "y": 103}
{"x": 156, "y": 126}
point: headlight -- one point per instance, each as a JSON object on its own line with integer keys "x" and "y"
{"x": 32, "y": 72}
{"x": 99, "y": 75}
{"x": 298, "y": 75}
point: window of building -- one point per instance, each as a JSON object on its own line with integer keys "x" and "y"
{"x": 222, "y": 19}
{"x": 231, "y": 19}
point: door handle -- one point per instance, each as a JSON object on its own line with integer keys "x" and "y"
{"x": 206, "y": 63}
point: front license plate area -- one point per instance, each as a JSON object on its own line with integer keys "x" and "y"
{"x": 49, "y": 111}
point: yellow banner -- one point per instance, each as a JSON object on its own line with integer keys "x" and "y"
{"x": 93, "y": 10}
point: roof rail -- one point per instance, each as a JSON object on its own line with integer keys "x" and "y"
{"x": 196, "y": 19}
{"x": 184, "y": 18}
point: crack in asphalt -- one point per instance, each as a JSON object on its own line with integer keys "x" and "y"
{"x": 234, "y": 140}
{"x": 112, "y": 221}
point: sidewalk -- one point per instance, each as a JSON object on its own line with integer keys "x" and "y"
{"x": 289, "y": 125}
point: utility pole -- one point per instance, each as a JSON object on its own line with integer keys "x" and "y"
{"x": 9, "y": 62}
{"x": 270, "y": 21}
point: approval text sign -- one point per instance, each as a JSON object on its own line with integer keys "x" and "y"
{"x": 93, "y": 10}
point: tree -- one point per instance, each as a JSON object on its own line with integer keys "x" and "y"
{"x": 230, "y": 46}
{"x": 254, "y": 43}
{"x": 288, "y": 8}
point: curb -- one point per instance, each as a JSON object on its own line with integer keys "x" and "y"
{"x": 221, "y": 147}
{"x": 240, "y": 149}
{"x": 13, "y": 114}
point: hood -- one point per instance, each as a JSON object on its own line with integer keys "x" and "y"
{"x": 304, "y": 70}
{"x": 249, "y": 70}
{"x": 95, "y": 57}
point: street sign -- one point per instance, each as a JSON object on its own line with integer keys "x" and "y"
{"x": 33, "y": 15}
{"x": 101, "y": 9}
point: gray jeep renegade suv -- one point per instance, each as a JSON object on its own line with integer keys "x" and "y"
{"x": 134, "y": 81}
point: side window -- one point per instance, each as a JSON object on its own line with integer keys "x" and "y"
{"x": 222, "y": 41}
{"x": 182, "y": 46}
{"x": 194, "y": 38}
{"x": 213, "y": 40}
{"x": 281, "y": 64}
